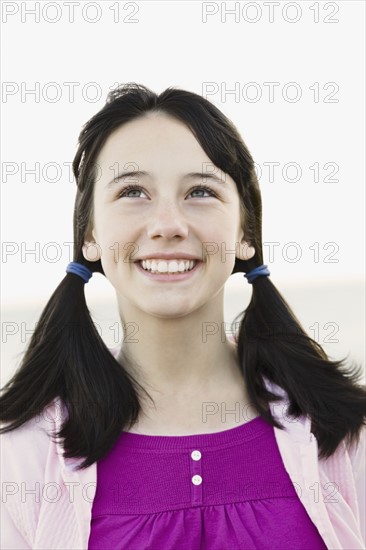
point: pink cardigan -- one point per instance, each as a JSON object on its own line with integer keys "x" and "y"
{"x": 45, "y": 504}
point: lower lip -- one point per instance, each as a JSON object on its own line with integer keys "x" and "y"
{"x": 169, "y": 277}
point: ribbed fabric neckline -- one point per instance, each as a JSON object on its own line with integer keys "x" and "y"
{"x": 235, "y": 435}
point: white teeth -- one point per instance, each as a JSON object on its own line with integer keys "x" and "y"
{"x": 171, "y": 266}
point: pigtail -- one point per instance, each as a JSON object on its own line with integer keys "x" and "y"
{"x": 67, "y": 358}
{"x": 272, "y": 342}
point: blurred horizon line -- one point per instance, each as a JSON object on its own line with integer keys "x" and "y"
{"x": 230, "y": 285}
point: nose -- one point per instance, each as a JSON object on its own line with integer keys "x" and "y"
{"x": 167, "y": 221}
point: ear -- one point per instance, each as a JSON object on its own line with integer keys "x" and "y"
{"x": 243, "y": 248}
{"x": 245, "y": 251}
{"x": 91, "y": 249}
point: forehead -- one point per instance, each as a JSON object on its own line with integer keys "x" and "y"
{"x": 154, "y": 136}
{"x": 159, "y": 145}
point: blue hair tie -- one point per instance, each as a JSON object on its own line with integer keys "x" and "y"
{"x": 79, "y": 269}
{"x": 257, "y": 272}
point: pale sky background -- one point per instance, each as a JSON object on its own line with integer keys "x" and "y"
{"x": 169, "y": 44}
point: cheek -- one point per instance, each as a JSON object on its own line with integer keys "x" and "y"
{"x": 221, "y": 232}
{"x": 118, "y": 247}
{"x": 111, "y": 230}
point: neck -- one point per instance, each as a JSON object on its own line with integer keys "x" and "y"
{"x": 175, "y": 355}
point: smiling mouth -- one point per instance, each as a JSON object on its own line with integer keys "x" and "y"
{"x": 169, "y": 276}
{"x": 189, "y": 266}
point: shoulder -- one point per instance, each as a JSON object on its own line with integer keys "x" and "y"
{"x": 356, "y": 459}
{"x": 24, "y": 450}
{"x": 23, "y": 465}
{"x": 357, "y": 453}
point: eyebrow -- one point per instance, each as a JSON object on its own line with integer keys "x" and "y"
{"x": 190, "y": 175}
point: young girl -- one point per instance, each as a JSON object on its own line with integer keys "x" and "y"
{"x": 183, "y": 438}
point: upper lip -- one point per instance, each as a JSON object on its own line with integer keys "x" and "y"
{"x": 166, "y": 256}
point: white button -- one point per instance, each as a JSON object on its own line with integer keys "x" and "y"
{"x": 196, "y": 455}
{"x": 197, "y": 480}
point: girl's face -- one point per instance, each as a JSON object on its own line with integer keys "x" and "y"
{"x": 168, "y": 212}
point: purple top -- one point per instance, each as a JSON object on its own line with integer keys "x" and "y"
{"x": 225, "y": 490}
